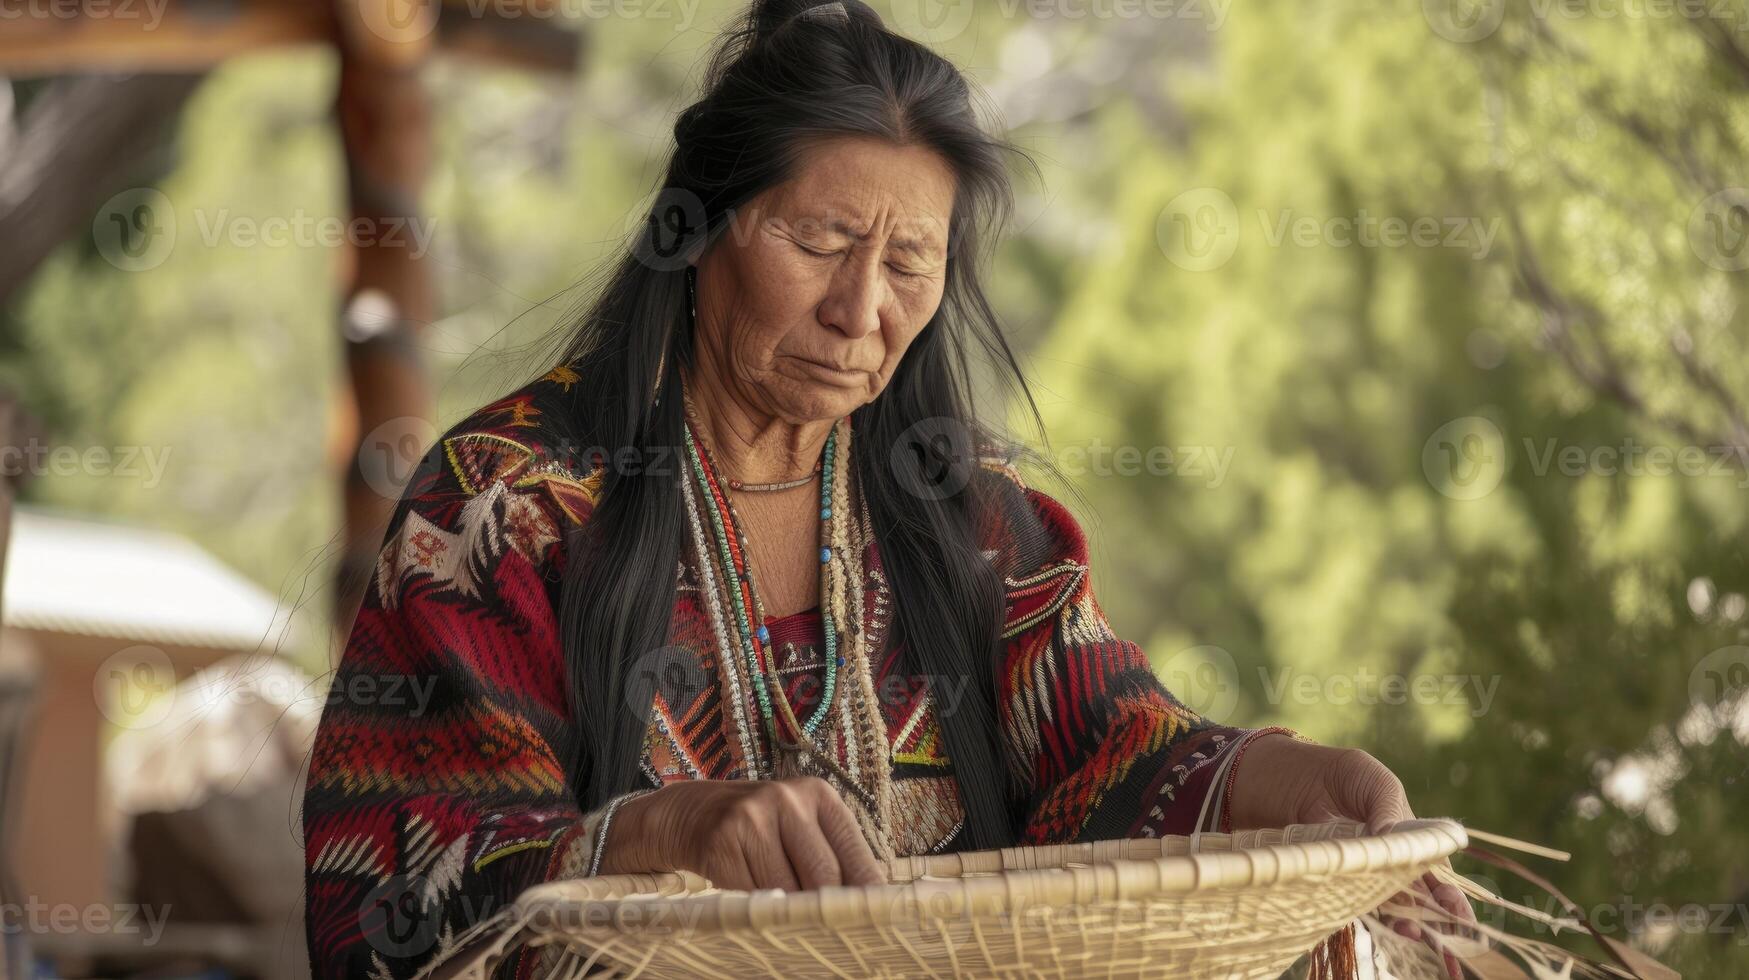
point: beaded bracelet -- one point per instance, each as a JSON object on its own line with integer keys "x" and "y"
{"x": 601, "y": 832}
{"x": 1233, "y": 769}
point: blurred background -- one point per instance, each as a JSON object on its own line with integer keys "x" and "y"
{"x": 1394, "y": 352}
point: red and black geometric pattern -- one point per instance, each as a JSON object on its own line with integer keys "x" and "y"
{"x": 436, "y": 793}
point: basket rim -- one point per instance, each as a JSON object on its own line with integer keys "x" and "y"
{"x": 1083, "y": 879}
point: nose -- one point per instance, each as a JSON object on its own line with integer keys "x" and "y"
{"x": 853, "y": 301}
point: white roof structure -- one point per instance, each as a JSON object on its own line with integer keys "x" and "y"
{"x": 79, "y": 575}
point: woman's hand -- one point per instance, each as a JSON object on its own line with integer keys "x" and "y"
{"x": 1282, "y": 781}
{"x": 792, "y": 834}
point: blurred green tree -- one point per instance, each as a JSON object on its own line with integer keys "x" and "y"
{"x": 1461, "y": 301}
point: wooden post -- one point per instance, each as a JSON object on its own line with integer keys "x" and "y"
{"x": 384, "y": 119}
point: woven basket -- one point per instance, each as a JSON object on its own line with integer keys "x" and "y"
{"x": 1239, "y": 905}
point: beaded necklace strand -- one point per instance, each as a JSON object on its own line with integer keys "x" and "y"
{"x": 749, "y": 612}
{"x": 740, "y": 616}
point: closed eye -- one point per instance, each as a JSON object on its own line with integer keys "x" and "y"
{"x": 814, "y": 251}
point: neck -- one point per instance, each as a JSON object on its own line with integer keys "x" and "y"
{"x": 748, "y": 443}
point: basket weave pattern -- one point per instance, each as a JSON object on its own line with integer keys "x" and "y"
{"x": 1239, "y": 905}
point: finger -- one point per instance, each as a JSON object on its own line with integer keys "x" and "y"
{"x": 733, "y": 874}
{"x": 856, "y": 862}
{"x": 810, "y": 853}
{"x": 1432, "y": 894}
{"x": 1453, "y": 900}
{"x": 767, "y": 860}
{"x": 1408, "y": 930}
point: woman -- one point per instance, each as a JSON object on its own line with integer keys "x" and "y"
{"x": 741, "y": 586}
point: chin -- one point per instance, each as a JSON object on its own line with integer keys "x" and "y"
{"x": 818, "y": 402}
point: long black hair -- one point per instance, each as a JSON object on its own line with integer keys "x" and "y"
{"x": 776, "y": 81}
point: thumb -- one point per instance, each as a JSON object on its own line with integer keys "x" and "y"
{"x": 1367, "y": 791}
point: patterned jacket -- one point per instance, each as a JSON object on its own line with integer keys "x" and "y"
{"x": 437, "y": 789}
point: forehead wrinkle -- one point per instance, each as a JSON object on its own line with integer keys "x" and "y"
{"x": 836, "y": 216}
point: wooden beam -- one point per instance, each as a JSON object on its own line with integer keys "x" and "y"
{"x": 178, "y": 37}
{"x": 80, "y": 141}
{"x": 59, "y": 37}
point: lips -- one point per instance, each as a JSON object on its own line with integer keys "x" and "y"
{"x": 833, "y": 373}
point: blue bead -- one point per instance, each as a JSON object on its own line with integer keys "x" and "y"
{"x": 840, "y": 661}
{"x": 825, "y": 513}
{"x": 764, "y": 634}
{"x": 825, "y": 555}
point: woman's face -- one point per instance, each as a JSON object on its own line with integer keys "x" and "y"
{"x": 812, "y": 295}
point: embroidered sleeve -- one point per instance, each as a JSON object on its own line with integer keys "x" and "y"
{"x": 1097, "y": 746}
{"x": 437, "y": 788}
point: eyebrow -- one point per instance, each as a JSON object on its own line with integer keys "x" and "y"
{"x": 916, "y": 246}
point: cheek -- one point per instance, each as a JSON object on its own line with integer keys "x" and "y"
{"x": 916, "y": 310}
{"x": 772, "y": 292}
